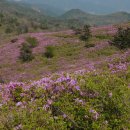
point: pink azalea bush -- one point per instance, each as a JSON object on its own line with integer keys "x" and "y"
{"x": 79, "y": 100}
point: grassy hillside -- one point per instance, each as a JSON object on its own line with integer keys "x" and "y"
{"x": 50, "y": 80}
{"x": 80, "y": 88}
{"x": 69, "y": 51}
{"x": 18, "y": 19}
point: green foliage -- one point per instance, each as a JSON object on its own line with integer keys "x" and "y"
{"x": 107, "y": 51}
{"x": 8, "y": 30}
{"x": 17, "y": 94}
{"x": 103, "y": 105}
{"x": 77, "y": 31}
{"x": 44, "y": 26}
{"x": 102, "y": 37}
{"x": 22, "y": 29}
{"x": 1, "y": 17}
{"x": 32, "y": 41}
{"x": 1, "y": 80}
{"x": 26, "y": 53}
{"x": 49, "y": 52}
{"x": 26, "y": 49}
{"x": 122, "y": 38}
{"x": 85, "y": 33}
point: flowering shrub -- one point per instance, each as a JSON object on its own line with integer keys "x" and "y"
{"x": 66, "y": 101}
{"x": 118, "y": 67}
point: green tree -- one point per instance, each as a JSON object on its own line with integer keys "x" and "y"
{"x": 122, "y": 38}
{"x": 26, "y": 53}
{"x": 85, "y": 35}
{"x": 8, "y": 30}
{"x": 49, "y": 53}
{"x": 32, "y": 41}
{"x": 1, "y": 17}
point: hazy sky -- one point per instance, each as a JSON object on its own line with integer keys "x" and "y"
{"x": 95, "y": 6}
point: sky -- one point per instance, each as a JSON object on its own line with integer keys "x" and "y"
{"x": 93, "y": 6}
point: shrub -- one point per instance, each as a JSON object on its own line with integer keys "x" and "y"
{"x": 85, "y": 33}
{"x": 43, "y": 26}
{"x": 22, "y": 29}
{"x": 8, "y": 30}
{"x": 67, "y": 102}
{"x": 1, "y": 17}
{"x": 26, "y": 53}
{"x": 77, "y": 31}
{"x": 32, "y": 41}
{"x": 122, "y": 38}
{"x": 1, "y": 80}
{"x": 49, "y": 53}
{"x": 14, "y": 40}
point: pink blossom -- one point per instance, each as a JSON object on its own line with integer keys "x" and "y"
{"x": 110, "y": 94}
{"x": 77, "y": 88}
{"x": 64, "y": 115}
{"x": 49, "y": 102}
{"x": 19, "y": 104}
{"x": 95, "y": 114}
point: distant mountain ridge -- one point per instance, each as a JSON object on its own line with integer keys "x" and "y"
{"x": 34, "y": 11}
{"x": 42, "y": 6}
{"x": 74, "y": 14}
{"x": 20, "y": 8}
{"x": 92, "y": 19}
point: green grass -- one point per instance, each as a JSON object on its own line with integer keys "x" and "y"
{"x": 102, "y": 37}
{"x": 65, "y": 55}
{"x": 32, "y": 41}
{"x": 60, "y": 35}
{"x": 107, "y": 51}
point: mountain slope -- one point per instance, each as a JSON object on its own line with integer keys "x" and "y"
{"x": 74, "y": 14}
{"x": 18, "y": 8}
{"x": 92, "y": 19}
{"x": 42, "y": 6}
{"x": 17, "y": 18}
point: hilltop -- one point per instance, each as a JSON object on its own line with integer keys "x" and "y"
{"x": 19, "y": 18}
{"x": 93, "y": 19}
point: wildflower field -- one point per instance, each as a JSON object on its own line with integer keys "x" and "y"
{"x": 77, "y": 89}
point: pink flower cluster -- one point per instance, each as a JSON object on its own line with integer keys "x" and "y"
{"x": 110, "y": 30}
{"x": 95, "y": 115}
{"x": 114, "y": 68}
{"x": 53, "y": 86}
